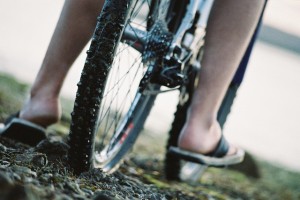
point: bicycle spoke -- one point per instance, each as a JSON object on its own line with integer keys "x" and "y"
{"x": 112, "y": 124}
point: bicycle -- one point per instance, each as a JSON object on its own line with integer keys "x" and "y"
{"x": 161, "y": 41}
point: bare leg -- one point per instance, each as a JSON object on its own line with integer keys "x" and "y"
{"x": 229, "y": 31}
{"x": 74, "y": 29}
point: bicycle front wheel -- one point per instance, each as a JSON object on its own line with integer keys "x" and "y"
{"x": 110, "y": 108}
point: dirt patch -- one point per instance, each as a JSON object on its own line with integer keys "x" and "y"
{"x": 42, "y": 172}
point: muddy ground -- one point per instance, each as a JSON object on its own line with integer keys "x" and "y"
{"x": 42, "y": 172}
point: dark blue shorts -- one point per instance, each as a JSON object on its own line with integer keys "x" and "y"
{"x": 238, "y": 78}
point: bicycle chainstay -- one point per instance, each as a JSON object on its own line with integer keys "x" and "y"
{"x": 161, "y": 70}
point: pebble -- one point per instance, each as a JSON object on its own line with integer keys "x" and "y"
{"x": 104, "y": 195}
{"x": 74, "y": 187}
{"x": 5, "y": 180}
{"x": 37, "y": 159}
{"x": 4, "y": 164}
{"x": 52, "y": 147}
{"x": 46, "y": 177}
{"x": 3, "y": 148}
{"x": 23, "y": 170}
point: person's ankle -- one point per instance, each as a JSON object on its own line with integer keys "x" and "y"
{"x": 200, "y": 137}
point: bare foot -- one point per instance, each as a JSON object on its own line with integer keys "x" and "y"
{"x": 200, "y": 139}
{"x": 43, "y": 111}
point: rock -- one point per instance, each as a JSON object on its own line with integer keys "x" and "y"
{"x": 73, "y": 187}
{"x": 87, "y": 192}
{"x": 23, "y": 171}
{"x": 20, "y": 192}
{"x": 104, "y": 195}
{"x": 2, "y": 148}
{"x": 52, "y": 147}
{"x": 16, "y": 177}
{"x": 156, "y": 197}
{"x": 37, "y": 159}
{"x": 4, "y": 164}
{"x": 5, "y": 180}
{"x": 63, "y": 197}
{"x": 46, "y": 177}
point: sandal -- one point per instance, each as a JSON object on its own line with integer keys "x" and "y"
{"x": 216, "y": 158}
{"x": 23, "y": 131}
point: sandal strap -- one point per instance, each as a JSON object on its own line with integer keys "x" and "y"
{"x": 11, "y": 117}
{"x": 221, "y": 149}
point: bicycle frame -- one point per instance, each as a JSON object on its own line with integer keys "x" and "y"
{"x": 191, "y": 42}
{"x": 202, "y": 7}
{"x": 195, "y": 6}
